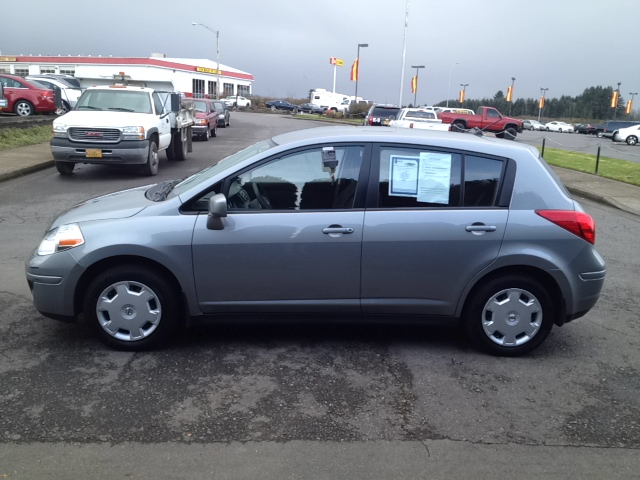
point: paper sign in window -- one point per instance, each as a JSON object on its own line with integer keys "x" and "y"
{"x": 403, "y": 176}
{"x": 434, "y": 177}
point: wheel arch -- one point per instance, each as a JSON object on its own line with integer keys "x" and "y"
{"x": 540, "y": 275}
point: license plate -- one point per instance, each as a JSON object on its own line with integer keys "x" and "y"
{"x": 93, "y": 153}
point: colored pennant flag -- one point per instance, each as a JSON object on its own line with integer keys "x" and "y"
{"x": 461, "y": 96}
{"x": 629, "y": 107}
{"x": 414, "y": 84}
{"x": 509, "y": 93}
{"x": 541, "y": 103}
{"x": 354, "y": 70}
{"x": 614, "y": 99}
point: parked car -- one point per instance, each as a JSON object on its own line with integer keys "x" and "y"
{"x": 25, "y": 97}
{"x": 282, "y": 105}
{"x": 585, "y": 128}
{"x": 630, "y": 135}
{"x": 316, "y": 222}
{"x": 532, "y": 125}
{"x": 558, "y": 127}
{"x": 69, "y": 94}
{"x": 224, "y": 115}
{"x": 311, "y": 108}
{"x": 607, "y": 128}
{"x": 381, "y": 115}
{"x": 206, "y": 119}
{"x": 234, "y": 101}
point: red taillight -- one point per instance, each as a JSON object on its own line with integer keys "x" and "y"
{"x": 370, "y": 120}
{"x": 578, "y": 223}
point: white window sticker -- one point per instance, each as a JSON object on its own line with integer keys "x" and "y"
{"x": 434, "y": 177}
{"x": 403, "y": 175}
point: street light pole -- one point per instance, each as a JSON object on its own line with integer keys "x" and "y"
{"x": 217, "y": 32}
{"x": 415, "y": 94}
{"x": 464, "y": 89}
{"x": 363, "y": 45}
{"x": 542, "y": 91}
{"x": 449, "y": 87}
{"x": 513, "y": 79}
{"x": 617, "y": 98}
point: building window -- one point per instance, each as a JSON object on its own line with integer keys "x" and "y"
{"x": 244, "y": 90}
{"x": 211, "y": 89}
{"x": 47, "y": 70}
{"x": 198, "y": 88}
{"x": 23, "y": 72}
{"x": 68, "y": 71}
{"x": 228, "y": 89}
{"x": 5, "y": 70}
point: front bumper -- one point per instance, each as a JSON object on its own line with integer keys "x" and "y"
{"x": 199, "y": 130}
{"x": 125, "y": 152}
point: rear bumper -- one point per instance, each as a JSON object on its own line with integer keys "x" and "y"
{"x": 123, "y": 153}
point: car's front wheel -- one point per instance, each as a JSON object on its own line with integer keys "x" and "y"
{"x": 65, "y": 168}
{"x": 132, "y": 307}
{"x": 509, "y": 315}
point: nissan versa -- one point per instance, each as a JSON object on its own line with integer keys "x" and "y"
{"x": 349, "y": 220}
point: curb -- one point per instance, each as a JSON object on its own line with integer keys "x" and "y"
{"x": 26, "y": 170}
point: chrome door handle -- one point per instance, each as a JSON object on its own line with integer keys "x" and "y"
{"x": 481, "y": 228}
{"x": 330, "y": 230}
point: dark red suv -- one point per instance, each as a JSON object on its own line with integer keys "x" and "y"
{"x": 26, "y": 97}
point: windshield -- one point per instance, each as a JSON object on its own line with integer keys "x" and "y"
{"x": 230, "y": 161}
{"x": 200, "y": 106}
{"x": 119, "y": 100}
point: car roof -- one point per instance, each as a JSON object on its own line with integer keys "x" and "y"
{"x": 459, "y": 141}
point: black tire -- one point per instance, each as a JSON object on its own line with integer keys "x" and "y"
{"x": 24, "y": 108}
{"x": 153, "y": 160}
{"x": 509, "y": 315}
{"x": 65, "y": 106}
{"x": 171, "y": 155}
{"x": 207, "y": 135}
{"x": 510, "y": 133}
{"x": 180, "y": 147}
{"x": 214, "y": 132}
{"x": 113, "y": 305}
{"x": 631, "y": 140}
{"x": 65, "y": 168}
{"x": 458, "y": 127}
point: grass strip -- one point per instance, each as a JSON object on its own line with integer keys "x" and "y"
{"x": 19, "y": 137}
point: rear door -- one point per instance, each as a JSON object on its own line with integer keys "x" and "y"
{"x": 432, "y": 223}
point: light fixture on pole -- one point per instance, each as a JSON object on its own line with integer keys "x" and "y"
{"x": 541, "y": 103}
{"x": 355, "y": 70}
{"x": 463, "y": 92}
{"x": 614, "y": 100}
{"x": 217, "y": 32}
{"x": 414, "y": 85}
{"x": 449, "y": 87}
{"x": 510, "y": 94}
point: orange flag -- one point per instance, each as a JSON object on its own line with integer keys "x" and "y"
{"x": 354, "y": 70}
{"x": 414, "y": 84}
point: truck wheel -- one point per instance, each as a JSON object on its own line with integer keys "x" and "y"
{"x": 180, "y": 148}
{"x": 510, "y": 133}
{"x": 207, "y": 135}
{"x": 65, "y": 168}
{"x": 153, "y": 161}
{"x": 457, "y": 127}
{"x": 214, "y": 132}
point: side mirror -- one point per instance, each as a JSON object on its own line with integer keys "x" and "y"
{"x": 217, "y": 211}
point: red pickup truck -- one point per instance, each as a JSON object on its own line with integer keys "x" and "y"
{"x": 487, "y": 119}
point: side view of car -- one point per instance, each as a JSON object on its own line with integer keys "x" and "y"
{"x": 69, "y": 93}
{"x": 25, "y": 98}
{"x": 224, "y": 115}
{"x": 206, "y": 119}
{"x": 237, "y": 101}
{"x": 629, "y": 135}
{"x": 311, "y": 108}
{"x": 558, "y": 127}
{"x": 585, "y": 129}
{"x": 275, "y": 105}
{"x": 532, "y": 125}
{"x": 363, "y": 222}
{"x": 606, "y": 129}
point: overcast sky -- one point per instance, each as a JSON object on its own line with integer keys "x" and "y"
{"x": 563, "y": 45}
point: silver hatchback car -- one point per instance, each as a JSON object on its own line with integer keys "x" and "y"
{"x": 350, "y": 220}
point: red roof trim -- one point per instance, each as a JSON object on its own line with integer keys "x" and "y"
{"x": 158, "y": 62}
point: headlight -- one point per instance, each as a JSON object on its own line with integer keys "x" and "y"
{"x": 60, "y": 239}
{"x": 201, "y": 121}
{"x": 133, "y": 133}
{"x": 60, "y": 130}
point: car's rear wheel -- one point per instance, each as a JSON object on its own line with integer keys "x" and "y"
{"x": 132, "y": 307}
{"x": 509, "y": 315}
{"x": 631, "y": 140}
{"x": 458, "y": 127}
{"x": 24, "y": 108}
{"x": 65, "y": 168}
{"x": 510, "y": 133}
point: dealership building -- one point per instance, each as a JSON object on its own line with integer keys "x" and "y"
{"x": 194, "y": 77}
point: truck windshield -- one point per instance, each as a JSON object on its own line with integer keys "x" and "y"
{"x": 117, "y": 100}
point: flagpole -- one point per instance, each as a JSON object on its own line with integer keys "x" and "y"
{"x": 404, "y": 51}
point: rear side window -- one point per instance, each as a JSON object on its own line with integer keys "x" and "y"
{"x": 412, "y": 178}
{"x": 384, "y": 112}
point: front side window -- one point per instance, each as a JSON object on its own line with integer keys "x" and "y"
{"x": 423, "y": 178}
{"x": 321, "y": 178}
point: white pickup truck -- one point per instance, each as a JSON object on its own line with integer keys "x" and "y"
{"x": 419, "y": 118}
{"x": 122, "y": 125}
